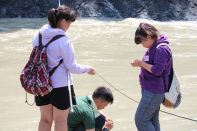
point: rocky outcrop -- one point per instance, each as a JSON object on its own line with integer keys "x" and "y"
{"x": 162, "y": 10}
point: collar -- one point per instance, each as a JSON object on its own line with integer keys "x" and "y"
{"x": 93, "y": 105}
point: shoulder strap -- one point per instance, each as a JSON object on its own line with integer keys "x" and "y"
{"x": 54, "y": 68}
{"x": 166, "y": 89}
{"x": 60, "y": 62}
{"x": 53, "y": 39}
{"x": 161, "y": 44}
{"x": 40, "y": 38}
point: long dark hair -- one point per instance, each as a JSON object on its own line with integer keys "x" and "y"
{"x": 62, "y": 12}
{"x": 143, "y": 30}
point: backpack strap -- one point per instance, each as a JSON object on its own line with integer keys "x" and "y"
{"x": 40, "y": 38}
{"x": 166, "y": 89}
{"x": 54, "y": 68}
{"x": 60, "y": 62}
{"x": 161, "y": 44}
{"x": 53, "y": 39}
{"x": 26, "y": 101}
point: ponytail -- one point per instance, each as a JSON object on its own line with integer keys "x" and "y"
{"x": 52, "y": 17}
{"x": 62, "y": 12}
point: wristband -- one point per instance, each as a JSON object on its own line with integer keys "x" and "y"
{"x": 105, "y": 129}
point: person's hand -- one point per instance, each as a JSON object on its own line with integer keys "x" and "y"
{"x": 109, "y": 124}
{"x": 136, "y": 63}
{"x": 92, "y": 71}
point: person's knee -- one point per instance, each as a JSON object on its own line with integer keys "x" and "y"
{"x": 46, "y": 121}
{"x": 60, "y": 125}
{"x": 60, "y": 121}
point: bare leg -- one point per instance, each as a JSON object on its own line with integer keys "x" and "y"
{"x": 60, "y": 119}
{"x": 46, "y": 119}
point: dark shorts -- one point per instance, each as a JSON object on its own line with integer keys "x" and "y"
{"x": 58, "y": 97}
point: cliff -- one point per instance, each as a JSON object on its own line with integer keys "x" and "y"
{"x": 161, "y": 10}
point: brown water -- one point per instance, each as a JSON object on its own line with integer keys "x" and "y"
{"x": 108, "y": 46}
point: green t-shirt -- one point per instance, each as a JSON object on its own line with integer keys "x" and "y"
{"x": 83, "y": 113}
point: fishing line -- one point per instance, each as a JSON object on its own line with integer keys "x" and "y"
{"x": 116, "y": 88}
{"x": 100, "y": 76}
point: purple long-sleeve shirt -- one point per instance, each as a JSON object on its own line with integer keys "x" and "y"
{"x": 161, "y": 59}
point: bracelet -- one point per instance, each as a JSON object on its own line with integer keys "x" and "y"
{"x": 105, "y": 129}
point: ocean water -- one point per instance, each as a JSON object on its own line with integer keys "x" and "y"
{"x": 107, "y": 45}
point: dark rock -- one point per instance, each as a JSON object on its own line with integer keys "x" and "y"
{"x": 162, "y": 10}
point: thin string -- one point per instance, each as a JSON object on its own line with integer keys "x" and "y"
{"x": 26, "y": 101}
{"x": 116, "y": 88}
{"x": 100, "y": 76}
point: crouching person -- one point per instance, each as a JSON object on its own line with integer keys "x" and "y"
{"x": 87, "y": 114}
